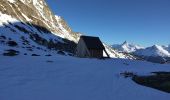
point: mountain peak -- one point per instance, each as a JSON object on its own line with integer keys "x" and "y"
{"x": 156, "y": 46}
{"x": 125, "y": 43}
{"x": 126, "y": 47}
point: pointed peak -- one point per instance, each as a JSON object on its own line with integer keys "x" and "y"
{"x": 124, "y": 43}
{"x": 156, "y": 46}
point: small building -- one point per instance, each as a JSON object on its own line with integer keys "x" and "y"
{"x": 90, "y": 47}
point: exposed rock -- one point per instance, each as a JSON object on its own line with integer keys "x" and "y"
{"x": 11, "y": 52}
{"x": 12, "y": 43}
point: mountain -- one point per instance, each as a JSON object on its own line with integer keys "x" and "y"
{"x": 29, "y": 25}
{"x": 156, "y": 53}
{"x": 116, "y": 54}
{"x": 126, "y": 47}
{"x": 38, "y": 13}
{"x": 153, "y": 51}
{"x": 167, "y": 48}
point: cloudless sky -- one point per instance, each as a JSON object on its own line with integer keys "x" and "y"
{"x": 143, "y": 22}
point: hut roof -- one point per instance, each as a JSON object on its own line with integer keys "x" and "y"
{"x": 93, "y": 42}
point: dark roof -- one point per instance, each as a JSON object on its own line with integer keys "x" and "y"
{"x": 92, "y": 42}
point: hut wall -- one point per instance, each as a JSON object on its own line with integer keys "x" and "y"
{"x": 96, "y": 53}
{"x": 82, "y": 50}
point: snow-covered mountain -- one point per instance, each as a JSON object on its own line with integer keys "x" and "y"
{"x": 126, "y": 47}
{"x": 154, "y": 51}
{"x": 116, "y": 54}
{"x": 167, "y": 48}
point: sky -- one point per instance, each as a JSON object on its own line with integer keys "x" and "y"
{"x": 143, "y": 22}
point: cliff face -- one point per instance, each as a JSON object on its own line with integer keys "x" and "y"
{"x": 37, "y": 12}
{"x": 34, "y": 22}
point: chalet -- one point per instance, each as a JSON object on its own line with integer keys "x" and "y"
{"x": 90, "y": 47}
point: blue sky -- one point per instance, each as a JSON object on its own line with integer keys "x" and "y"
{"x": 143, "y": 22}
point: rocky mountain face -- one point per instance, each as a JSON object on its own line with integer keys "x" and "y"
{"x": 30, "y": 24}
{"x": 38, "y": 13}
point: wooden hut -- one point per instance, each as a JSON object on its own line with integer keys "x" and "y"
{"x": 90, "y": 47}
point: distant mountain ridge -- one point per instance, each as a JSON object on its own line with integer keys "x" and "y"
{"x": 154, "y": 53}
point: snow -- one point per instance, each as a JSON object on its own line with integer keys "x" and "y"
{"x": 4, "y": 19}
{"x": 167, "y": 48}
{"x": 68, "y": 78}
{"x": 12, "y": 1}
{"x": 40, "y": 8}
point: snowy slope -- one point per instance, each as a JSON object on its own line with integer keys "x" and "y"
{"x": 126, "y": 47}
{"x": 67, "y": 78}
{"x": 167, "y": 48}
{"x": 29, "y": 37}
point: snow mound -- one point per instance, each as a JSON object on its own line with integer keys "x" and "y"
{"x": 12, "y": 1}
